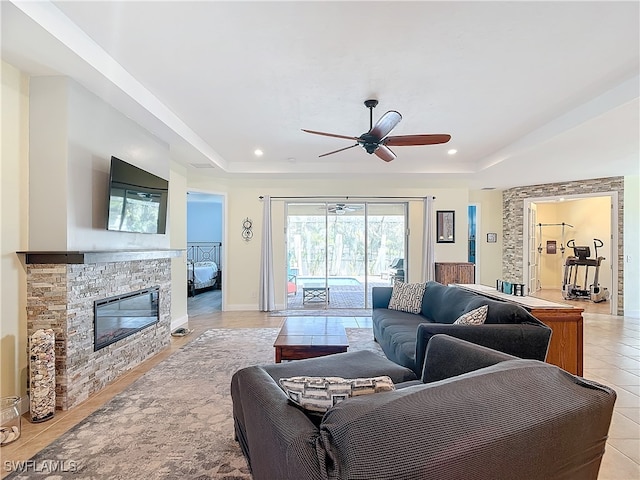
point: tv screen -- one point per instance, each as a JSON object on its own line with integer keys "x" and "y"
{"x": 137, "y": 199}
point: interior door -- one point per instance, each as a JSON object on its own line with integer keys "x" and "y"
{"x": 534, "y": 250}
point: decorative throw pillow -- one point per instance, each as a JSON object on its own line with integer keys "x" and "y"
{"x": 474, "y": 317}
{"x": 407, "y": 297}
{"x": 319, "y": 394}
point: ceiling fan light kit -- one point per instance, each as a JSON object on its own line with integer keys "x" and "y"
{"x": 377, "y": 139}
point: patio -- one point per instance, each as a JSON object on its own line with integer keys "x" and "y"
{"x": 344, "y": 293}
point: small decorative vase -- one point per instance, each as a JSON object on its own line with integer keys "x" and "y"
{"x": 42, "y": 369}
{"x": 10, "y": 420}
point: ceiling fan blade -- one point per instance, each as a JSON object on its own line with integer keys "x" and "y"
{"x": 407, "y": 140}
{"x": 329, "y": 134}
{"x": 339, "y": 150}
{"x": 385, "y": 153}
{"x": 385, "y": 124}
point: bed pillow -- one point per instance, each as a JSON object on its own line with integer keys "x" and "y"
{"x": 474, "y": 317}
{"x": 407, "y": 297}
{"x": 319, "y": 394}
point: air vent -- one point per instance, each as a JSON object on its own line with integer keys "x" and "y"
{"x": 202, "y": 165}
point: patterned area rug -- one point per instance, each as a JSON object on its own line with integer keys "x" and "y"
{"x": 173, "y": 422}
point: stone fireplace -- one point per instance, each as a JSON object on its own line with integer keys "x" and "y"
{"x": 62, "y": 289}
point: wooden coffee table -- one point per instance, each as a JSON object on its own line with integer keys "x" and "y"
{"x": 308, "y": 337}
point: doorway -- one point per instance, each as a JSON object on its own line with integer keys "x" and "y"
{"x": 338, "y": 251}
{"x": 554, "y": 225}
{"x": 205, "y": 227}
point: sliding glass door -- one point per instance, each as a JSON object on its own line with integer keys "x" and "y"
{"x": 337, "y": 251}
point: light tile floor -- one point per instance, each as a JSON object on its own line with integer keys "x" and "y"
{"x": 611, "y": 357}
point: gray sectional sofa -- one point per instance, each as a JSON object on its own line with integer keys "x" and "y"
{"x": 482, "y": 414}
{"x": 403, "y": 336}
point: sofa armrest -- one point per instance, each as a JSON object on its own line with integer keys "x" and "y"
{"x": 447, "y": 357}
{"x": 279, "y": 437}
{"x": 381, "y": 296}
{"x": 521, "y": 340}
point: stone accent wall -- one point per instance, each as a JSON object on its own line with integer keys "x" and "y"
{"x": 513, "y": 222}
{"x": 61, "y": 297}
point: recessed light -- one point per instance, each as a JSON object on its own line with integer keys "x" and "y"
{"x": 452, "y": 151}
{"x": 257, "y": 152}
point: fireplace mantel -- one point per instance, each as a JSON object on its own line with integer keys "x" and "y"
{"x": 96, "y": 256}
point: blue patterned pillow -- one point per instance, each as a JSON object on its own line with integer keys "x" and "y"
{"x": 407, "y": 297}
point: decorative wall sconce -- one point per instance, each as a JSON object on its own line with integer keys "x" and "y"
{"x": 247, "y": 233}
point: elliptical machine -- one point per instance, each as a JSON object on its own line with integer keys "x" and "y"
{"x": 570, "y": 289}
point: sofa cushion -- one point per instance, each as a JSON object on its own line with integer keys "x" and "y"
{"x": 396, "y": 333}
{"x": 445, "y": 304}
{"x": 407, "y": 297}
{"x": 319, "y": 394}
{"x": 474, "y": 317}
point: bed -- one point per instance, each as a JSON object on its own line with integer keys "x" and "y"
{"x": 203, "y": 266}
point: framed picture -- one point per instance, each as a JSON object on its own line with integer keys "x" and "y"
{"x": 445, "y": 226}
{"x": 492, "y": 237}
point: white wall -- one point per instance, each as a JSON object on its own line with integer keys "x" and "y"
{"x": 73, "y": 135}
{"x": 178, "y": 235}
{"x": 488, "y": 255}
{"x": 242, "y": 259}
{"x": 14, "y": 203}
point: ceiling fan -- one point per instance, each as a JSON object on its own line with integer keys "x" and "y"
{"x": 342, "y": 208}
{"x": 377, "y": 139}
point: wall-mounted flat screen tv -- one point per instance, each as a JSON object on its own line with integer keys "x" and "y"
{"x": 137, "y": 199}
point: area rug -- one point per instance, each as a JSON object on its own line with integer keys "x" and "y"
{"x": 173, "y": 422}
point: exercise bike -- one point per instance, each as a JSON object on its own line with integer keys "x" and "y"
{"x": 580, "y": 258}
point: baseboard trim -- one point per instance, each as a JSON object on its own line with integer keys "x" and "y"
{"x": 632, "y": 313}
{"x": 175, "y": 323}
{"x": 239, "y": 308}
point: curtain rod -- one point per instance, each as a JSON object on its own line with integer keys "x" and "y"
{"x": 345, "y": 197}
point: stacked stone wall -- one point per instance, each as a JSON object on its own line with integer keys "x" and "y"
{"x": 61, "y": 297}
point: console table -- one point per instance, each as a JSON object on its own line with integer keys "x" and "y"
{"x": 565, "y": 321}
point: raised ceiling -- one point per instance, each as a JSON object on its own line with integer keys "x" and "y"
{"x": 531, "y": 92}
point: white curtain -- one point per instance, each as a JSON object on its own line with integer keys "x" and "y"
{"x": 428, "y": 242}
{"x": 267, "y": 291}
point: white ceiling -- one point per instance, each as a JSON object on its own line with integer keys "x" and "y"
{"x": 531, "y": 92}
